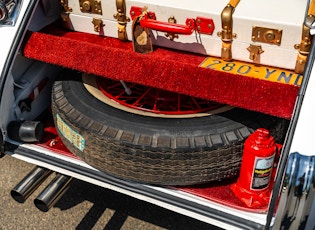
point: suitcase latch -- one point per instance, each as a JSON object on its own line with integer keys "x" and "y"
{"x": 254, "y": 52}
{"x": 266, "y": 35}
{"x": 171, "y": 35}
{"x": 98, "y": 24}
{"x": 91, "y": 6}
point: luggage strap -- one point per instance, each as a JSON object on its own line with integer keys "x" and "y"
{"x": 305, "y": 45}
{"x": 122, "y": 19}
{"x": 227, "y": 34}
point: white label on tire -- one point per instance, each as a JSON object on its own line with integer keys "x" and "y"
{"x": 72, "y": 136}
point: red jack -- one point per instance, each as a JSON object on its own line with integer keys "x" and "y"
{"x": 253, "y": 185}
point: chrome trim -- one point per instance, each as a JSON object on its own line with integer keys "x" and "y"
{"x": 10, "y": 9}
{"x": 297, "y": 193}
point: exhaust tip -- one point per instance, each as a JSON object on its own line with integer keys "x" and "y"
{"x": 53, "y": 192}
{"x": 29, "y": 184}
{"x": 41, "y": 205}
{"x": 17, "y": 196}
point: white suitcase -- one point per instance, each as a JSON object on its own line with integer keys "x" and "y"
{"x": 264, "y": 32}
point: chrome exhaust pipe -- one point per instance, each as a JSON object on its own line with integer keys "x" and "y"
{"x": 29, "y": 184}
{"x": 53, "y": 192}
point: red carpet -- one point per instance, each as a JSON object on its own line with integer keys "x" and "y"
{"x": 167, "y": 69}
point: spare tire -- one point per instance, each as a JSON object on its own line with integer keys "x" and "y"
{"x": 154, "y": 149}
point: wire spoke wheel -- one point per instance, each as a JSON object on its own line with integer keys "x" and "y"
{"x": 153, "y": 100}
{"x": 147, "y": 101}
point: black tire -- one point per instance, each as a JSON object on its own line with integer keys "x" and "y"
{"x": 167, "y": 151}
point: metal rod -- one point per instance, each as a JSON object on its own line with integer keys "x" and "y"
{"x": 29, "y": 184}
{"x": 53, "y": 192}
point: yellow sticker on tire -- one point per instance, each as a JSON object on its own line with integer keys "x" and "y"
{"x": 72, "y": 136}
{"x": 256, "y": 71}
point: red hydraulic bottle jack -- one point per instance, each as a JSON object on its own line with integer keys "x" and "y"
{"x": 253, "y": 185}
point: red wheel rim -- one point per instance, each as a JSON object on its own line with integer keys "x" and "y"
{"x": 152, "y": 99}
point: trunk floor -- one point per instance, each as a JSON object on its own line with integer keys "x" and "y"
{"x": 218, "y": 192}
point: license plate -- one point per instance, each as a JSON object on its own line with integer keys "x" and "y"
{"x": 250, "y": 70}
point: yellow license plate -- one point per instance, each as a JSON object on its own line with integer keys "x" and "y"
{"x": 250, "y": 70}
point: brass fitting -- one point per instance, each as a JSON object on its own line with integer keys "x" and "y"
{"x": 304, "y": 49}
{"x": 122, "y": 19}
{"x": 227, "y": 23}
{"x": 227, "y": 34}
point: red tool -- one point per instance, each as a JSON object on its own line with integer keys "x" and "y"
{"x": 253, "y": 185}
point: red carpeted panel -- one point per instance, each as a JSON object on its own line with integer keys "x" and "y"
{"x": 220, "y": 192}
{"x": 167, "y": 69}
